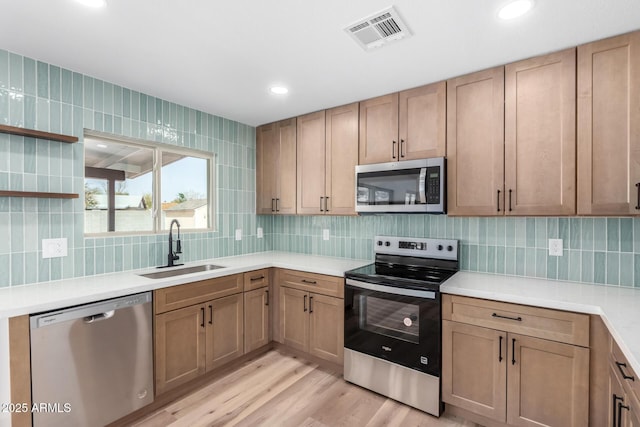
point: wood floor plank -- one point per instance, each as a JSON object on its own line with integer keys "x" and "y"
{"x": 278, "y": 389}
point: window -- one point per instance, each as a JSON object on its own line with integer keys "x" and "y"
{"x": 125, "y": 193}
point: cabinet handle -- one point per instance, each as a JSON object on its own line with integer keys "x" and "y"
{"x": 498, "y": 200}
{"x": 513, "y": 351}
{"x": 311, "y": 282}
{"x": 614, "y": 414}
{"x": 620, "y": 408}
{"x": 509, "y": 201}
{"x": 638, "y": 204}
{"x": 517, "y": 319}
{"x": 272, "y": 203}
{"x": 210, "y": 314}
{"x": 202, "y": 310}
{"x": 253, "y": 279}
{"x": 401, "y": 145}
{"x": 321, "y": 198}
{"x": 277, "y": 210}
{"x": 267, "y": 301}
{"x": 326, "y": 204}
{"x": 393, "y": 150}
{"x": 500, "y": 350}
{"x": 305, "y": 303}
{"x": 310, "y": 304}
{"x": 624, "y": 375}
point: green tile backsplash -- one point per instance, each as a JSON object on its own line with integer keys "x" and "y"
{"x": 45, "y": 97}
{"x": 38, "y": 95}
{"x": 596, "y": 250}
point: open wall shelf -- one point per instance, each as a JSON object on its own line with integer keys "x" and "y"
{"x": 38, "y": 195}
{"x": 38, "y": 134}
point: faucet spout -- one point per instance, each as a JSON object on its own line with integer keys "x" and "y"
{"x": 173, "y": 256}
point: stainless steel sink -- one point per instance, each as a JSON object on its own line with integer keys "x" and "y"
{"x": 180, "y": 271}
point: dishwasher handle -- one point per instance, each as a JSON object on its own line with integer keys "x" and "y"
{"x": 100, "y": 316}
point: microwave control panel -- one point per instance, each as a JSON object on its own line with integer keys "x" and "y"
{"x": 433, "y": 185}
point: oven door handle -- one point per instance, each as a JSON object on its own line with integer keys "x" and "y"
{"x": 391, "y": 289}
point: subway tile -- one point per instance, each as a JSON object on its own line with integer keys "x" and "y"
{"x": 636, "y": 270}
{"x": 5, "y": 260}
{"x": 613, "y": 268}
{"x": 521, "y": 232}
{"x": 600, "y": 234}
{"x": 599, "y": 267}
{"x": 613, "y": 234}
{"x": 66, "y": 87}
{"x": 29, "y": 74}
{"x": 626, "y": 235}
{"x": 17, "y": 268}
{"x": 4, "y": 69}
{"x": 4, "y": 107}
{"x": 43, "y": 79}
{"x": 586, "y": 234}
{"x": 541, "y": 232}
{"x": 520, "y": 261}
{"x": 626, "y": 269}
{"x": 541, "y": 263}
{"x": 530, "y": 262}
{"x": 587, "y": 267}
{"x": 552, "y": 267}
{"x": 575, "y": 232}
{"x": 78, "y": 92}
{"x": 575, "y": 270}
{"x": 16, "y": 81}
{"x": 54, "y": 83}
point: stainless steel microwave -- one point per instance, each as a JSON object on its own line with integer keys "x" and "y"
{"x": 410, "y": 186}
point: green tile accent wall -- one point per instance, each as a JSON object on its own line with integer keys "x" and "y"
{"x": 596, "y": 250}
{"x": 45, "y": 97}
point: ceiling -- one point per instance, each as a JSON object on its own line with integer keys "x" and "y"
{"x": 221, "y": 57}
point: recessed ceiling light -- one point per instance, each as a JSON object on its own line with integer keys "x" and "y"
{"x": 515, "y": 8}
{"x": 278, "y": 90}
{"x": 93, "y": 3}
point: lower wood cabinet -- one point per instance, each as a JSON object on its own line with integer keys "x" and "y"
{"x": 193, "y": 340}
{"x": 510, "y": 377}
{"x": 256, "y": 319}
{"x": 623, "y": 391}
{"x": 313, "y": 323}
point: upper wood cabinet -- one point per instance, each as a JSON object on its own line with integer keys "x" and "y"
{"x": 327, "y": 155}
{"x": 609, "y": 126}
{"x": 475, "y": 143}
{"x": 404, "y": 126}
{"x": 276, "y": 168}
{"x": 540, "y": 135}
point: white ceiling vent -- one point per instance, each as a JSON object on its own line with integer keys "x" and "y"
{"x": 378, "y": 29}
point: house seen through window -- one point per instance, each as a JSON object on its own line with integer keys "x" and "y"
{"x": 133, "y": 187}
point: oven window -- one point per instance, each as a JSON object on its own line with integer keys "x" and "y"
{"x": 390, "y": 318}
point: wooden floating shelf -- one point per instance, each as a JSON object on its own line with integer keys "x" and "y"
{"x": 13, "y": 130}
{"x": 38, "y": 195}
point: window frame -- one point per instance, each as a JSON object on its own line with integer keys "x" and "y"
{"x": 157, "y": 149}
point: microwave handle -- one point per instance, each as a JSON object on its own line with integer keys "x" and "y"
{"x": 422, "y": 185}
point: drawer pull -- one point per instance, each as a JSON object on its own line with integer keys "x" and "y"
{"x": 615, "y": 415}
{"x": 620, "y": 408}
{"x": 311, "y": 282}
{"x": 267, "y": 298}
{"x": 210, "y": 314}
{"x": 513, "y": 351}
{"x": 310, "y": 304}
{"x": 500, "y": 350}
{"x": 624, "y": 375}
{"x": 305, "y": 304}
{"x": 517, "y": 319}
{"x": 202, "y": 310}
{"x": 253, "y": 279}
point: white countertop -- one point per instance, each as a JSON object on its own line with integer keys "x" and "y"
{"x": 618, "y": 307}
{"x": 19, "y": 300}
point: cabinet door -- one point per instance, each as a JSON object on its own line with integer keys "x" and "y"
{"x": 326, "y": 327}
{"x": 540, "y": 141}
{"x": 267, "y": 154}
{"x": 179, "y": 347}
{"x": 256, "y": 319}
{"x": 609, "y": 126}
{"x": 475, "y": 143}
{"x": 224, "y": 317}
{"x": 547, "y": 383}
{"x": 474, "y": 373}
{"x": 294, "y": 318}
{"x": 379, "y": 129}
{"x": 286, "y": 195}
{"x": 422, "y": 121}
{"x": 342, "y": 158}
{"x": 311, "y": 163}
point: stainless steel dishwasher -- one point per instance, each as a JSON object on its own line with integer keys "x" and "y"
{"x": 92, "y": 364}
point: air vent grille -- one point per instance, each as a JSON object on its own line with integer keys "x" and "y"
{"x": 378, "y": 29}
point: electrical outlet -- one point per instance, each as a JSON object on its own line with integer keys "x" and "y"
{"x": 325, "y": 234}
{"x": 260, "y": 233}
{"x": 238, "y": 234}
{"x": 54, "y": 248}
{"x": 555, "y": 247}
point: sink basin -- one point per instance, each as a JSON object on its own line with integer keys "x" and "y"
{"x": 180, "y": 271}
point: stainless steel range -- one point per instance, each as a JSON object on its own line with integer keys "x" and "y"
{"x": 392, "y": 321}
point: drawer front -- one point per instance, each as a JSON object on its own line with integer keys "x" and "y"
{"x": 256, "y": 279}
{"x": 318, "y": 283}
{"x": 179, "y": 296}
{"x": 555, "y": 325}
{"x": 621, "y": 366}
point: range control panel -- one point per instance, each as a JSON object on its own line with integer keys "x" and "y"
{"x": 418, "y": 247}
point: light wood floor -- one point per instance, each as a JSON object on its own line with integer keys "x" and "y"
{"x": 278, "y": 389}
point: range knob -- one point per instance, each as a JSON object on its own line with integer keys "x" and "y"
{"x": 439, "y": 247}
{"x": 449, "y": 248}
{"x": 387, "y": 243}
{"x": 379, "y": 242}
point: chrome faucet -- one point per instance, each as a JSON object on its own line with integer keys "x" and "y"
{"x": 173, "y": 256}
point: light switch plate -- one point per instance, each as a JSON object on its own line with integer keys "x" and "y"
{"x": 260, "y": 233}
{"x": 238, "y": 234}
{"x": 325, "y": 234}
{"x": 54, "y": 248}
{"x": 555, "y": 247}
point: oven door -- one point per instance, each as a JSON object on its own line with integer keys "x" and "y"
{"x": 396, "y": 324}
